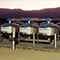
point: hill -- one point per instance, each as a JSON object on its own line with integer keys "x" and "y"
{"x": 17, "y": 13}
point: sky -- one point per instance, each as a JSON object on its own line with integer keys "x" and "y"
{"x": 29, "y": 4}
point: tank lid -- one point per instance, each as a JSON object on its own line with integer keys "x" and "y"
{"x": 47, "y": 19}
{"x": 34, "y": 24}
{"x": 25, "y": 24}
{"x": 45, "y": 24}
{"x": 28, "y": 19}
{"x": 5, "y": 23}
{"x": 50, "y": 25}
{"x": 8, "y": 19}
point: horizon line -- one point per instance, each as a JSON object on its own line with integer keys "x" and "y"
{"x": 31, "y": 9}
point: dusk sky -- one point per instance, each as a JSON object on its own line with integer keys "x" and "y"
{"x": 29, "y": 4}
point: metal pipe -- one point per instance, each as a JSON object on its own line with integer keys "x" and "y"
{"x": 29, "y": 37}
{"x": 13, "y": 42}
{"x": 9, "y": 37}
{"x": 33, "y": 39}
{"x": 49, "y": 39}
{"x": 37, "y": 37}
{"x": 0, "y": 35}
{"x": 9, "y": 21}
{"x": 13, "y": 32}
{"x": 19, "y": 34}
{"x": 28, "y": 22}
{"x": 55, "y": 38}
{"x": 13, "y": 45}
{"x": 35, "y": 19}
{"x": 48, "y": 22}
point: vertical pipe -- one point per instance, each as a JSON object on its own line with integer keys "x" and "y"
{"x": 55, "y": 44}
{"x": 9, "y": 37}
{"x": 9, "y": 21}
{"x": 49, "y": 39}
{"x": 0, "y": 35}
{"x": 28, "y": 22}
{"x": 13, "y": 32}
{"x": 13, "y": 42}
{"x": 19, "y": 34}
{"x": 33, "y": 39}
{"x": 37, "y": 38}
{"x": 13, "y": 45}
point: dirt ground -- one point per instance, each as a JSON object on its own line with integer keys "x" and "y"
{"x": 24, "y": 54}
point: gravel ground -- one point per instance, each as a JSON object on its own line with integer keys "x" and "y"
{"x": 24, "y": 54}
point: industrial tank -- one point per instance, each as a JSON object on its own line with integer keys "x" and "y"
{"x": 48, "y": 28}
{"x": 7, "y": 27}
{"x": 28, "y": 31}
{"x": 28, "y": 28}
{"x": 9, "y": 30}
{"x": 48, "y": 31}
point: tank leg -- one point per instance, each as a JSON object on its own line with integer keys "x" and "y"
{"x": 13, "y": 45}
{"x": 18, "y": 36}
{"x": 13, "y": 42}
{"x": 9, "y": 37}
{"x": 33, "y": 39}
{"x": 55, "y": 40}
{"x": 49, "y": 40}
{"x": 0, "y": 33}
{"x": 37, "y": 38}
{"x": 1, "y": 39}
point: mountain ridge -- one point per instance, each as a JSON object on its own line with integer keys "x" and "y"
{"x": 17, "y": 13}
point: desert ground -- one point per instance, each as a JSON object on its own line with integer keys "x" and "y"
{"x": 24, "y": 54}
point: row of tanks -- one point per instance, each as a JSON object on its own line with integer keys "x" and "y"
{"x": 29, "y": 30}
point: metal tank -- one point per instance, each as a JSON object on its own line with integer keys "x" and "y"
{"x": 7, "y": 28}
{"x": 48, "y": 32}
{"x": 28, "y": 29}
{"x": 48, "y": 28}
{"x": 10, "y": 30}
